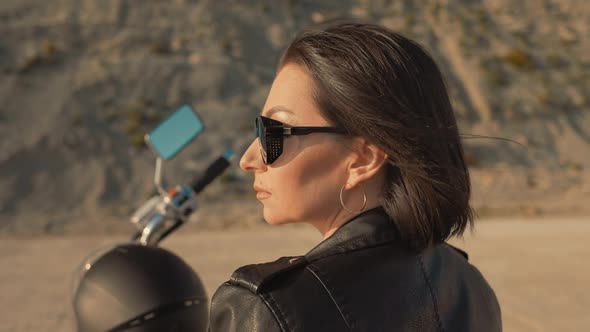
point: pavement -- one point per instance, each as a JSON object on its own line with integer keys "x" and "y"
{"x": 538, "y": 267}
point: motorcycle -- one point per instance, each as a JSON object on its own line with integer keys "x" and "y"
{"x": 139, "y": 286}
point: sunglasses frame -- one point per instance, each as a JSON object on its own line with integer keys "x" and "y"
{"x": 271, "y": 134}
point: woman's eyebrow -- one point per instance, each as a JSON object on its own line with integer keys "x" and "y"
{"x": 277, "y": 109}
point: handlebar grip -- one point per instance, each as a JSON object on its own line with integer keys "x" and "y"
{"x": 213, "y": 171}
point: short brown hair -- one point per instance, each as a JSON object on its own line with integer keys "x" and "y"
{"x": 385, "y": 87}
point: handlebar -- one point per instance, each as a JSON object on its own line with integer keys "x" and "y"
{"x": 176, "y": 204}
{"x": 213, "y": 171}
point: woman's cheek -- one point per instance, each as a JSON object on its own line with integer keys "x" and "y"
{"x": 291, "y": 196}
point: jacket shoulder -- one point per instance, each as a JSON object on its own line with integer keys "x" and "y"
{"x": 237, "y": 309}
{"x": 255, "y": 276}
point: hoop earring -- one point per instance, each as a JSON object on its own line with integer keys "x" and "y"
{"x": 349, "y": 210}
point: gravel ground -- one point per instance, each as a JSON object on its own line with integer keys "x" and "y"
{"x": 538, "y": 267}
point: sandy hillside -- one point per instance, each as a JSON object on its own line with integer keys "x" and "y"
{"x": 81, "y": 81}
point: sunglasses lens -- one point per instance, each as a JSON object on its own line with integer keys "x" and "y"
{"x": 271, "y": 144}
{"x": 261, "y": 134}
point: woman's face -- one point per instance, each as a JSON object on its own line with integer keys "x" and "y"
{"x": 303, "y": 184}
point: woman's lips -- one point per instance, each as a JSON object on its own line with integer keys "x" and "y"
{"x": 260, "y": 192}
{"x": 262, "y": 195}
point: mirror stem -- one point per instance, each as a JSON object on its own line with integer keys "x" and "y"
{"x": 158, "y": 177}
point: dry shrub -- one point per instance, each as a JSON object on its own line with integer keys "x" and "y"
{"x": 519, "y": 59}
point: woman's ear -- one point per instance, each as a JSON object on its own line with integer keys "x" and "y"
{"x": 367, "y": 161}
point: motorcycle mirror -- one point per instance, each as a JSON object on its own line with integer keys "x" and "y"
{"x": 175, "y": 132}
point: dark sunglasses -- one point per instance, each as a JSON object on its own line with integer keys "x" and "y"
{"x": 271, "y": 133}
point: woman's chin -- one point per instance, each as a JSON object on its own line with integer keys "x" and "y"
{"x": 273, "y": 219}
{"x": 273, "y": 223}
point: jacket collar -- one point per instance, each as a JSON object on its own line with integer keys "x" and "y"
{"x": 368, "y": 229}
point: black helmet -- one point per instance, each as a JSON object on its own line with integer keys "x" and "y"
{"x": 132, "y": 287}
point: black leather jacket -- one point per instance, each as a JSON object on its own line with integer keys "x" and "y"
{"x": 359, "y": 279}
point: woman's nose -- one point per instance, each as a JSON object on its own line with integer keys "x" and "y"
{"x": 251, "y": 161}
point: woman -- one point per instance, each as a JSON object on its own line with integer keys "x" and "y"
{"x": 358, "y": 138}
